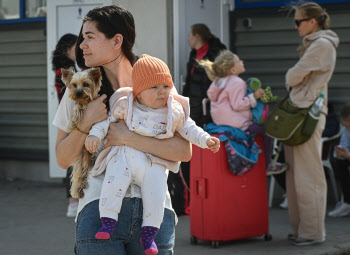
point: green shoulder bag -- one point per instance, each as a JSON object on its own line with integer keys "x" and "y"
{"x": 290, "y": 124}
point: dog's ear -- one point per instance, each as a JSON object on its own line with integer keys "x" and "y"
{"x": 96, "y": 74}
{"x": 67, "y": 75}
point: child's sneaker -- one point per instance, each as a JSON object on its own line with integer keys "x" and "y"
{"x": 72, "y": 210}
{"x": 284, "y": 204}
{"x": 277, "y": 169}
{"x": 343, "y": 209}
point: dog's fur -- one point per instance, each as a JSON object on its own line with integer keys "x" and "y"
{"x": 83, "y": 88}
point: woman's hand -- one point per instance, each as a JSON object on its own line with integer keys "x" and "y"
{"x": 259, "y": 93}
{"x": 118, "y": 134}
{"x": 305, "y": 79}
{"x": 341, "y": 152}
{"x": 95, "y": 112}
{"x": 174, "y": 149}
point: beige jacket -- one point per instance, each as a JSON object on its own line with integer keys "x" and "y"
{"x": 318, "y": 62}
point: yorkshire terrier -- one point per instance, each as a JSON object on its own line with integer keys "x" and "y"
{"x": 83, "y": 88}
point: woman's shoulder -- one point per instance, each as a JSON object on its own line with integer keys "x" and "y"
{"x": 66, "y": 100}
{"x": 324, "y": 39}
{"x": 322, "y": 42}
{"x": 64, "y": 111}
{"x": 216, "y": 44}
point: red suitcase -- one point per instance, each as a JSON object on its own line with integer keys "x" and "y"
{"x": 225, "y": 206}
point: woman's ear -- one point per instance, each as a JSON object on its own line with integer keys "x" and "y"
{"x": 118, "y": 40}
{"x": 314, "y": 22}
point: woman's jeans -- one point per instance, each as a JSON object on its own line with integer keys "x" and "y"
{"x": 126, "y": 237}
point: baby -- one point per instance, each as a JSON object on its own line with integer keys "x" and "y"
{"x": 151, "y": 108}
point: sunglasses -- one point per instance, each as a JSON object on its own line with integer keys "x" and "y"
{"x": 298, "y": 21}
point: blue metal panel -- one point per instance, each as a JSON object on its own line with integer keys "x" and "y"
{"x": 11, "y": 21}
{"x": 257, "y": 4}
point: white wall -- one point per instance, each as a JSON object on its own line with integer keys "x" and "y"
{"x": 213, "y": 13}
{"x": 151, "y": 26}
{"x": 63, "y": 16}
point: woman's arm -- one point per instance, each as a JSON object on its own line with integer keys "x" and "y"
{"x": 69, "y": 146}
{"x": 316, "y": 58}
{"x": 174, "y": 149}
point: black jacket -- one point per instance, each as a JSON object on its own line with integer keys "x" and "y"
{"x": 198, "y": 82}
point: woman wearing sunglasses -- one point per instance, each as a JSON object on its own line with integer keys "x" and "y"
{"x": 306, "y": 80}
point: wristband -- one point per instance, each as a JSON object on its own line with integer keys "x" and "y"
{"x": 81, "y": 131}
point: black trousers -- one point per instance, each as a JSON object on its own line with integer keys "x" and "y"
{"x": 341, "y": 172}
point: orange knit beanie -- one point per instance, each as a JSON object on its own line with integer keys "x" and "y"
{"x": 149, "y": 71}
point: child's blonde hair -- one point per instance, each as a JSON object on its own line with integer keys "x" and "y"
{"x": 220, "y": 67}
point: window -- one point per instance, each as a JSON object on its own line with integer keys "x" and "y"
{"x": 9, "y": 9}
{"x": 35, "y": 8}
{"x": 16, "y": 11}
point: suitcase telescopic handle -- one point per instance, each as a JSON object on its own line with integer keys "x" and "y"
{"x": 201, "y": 188}
{"x": 205, "y": 101}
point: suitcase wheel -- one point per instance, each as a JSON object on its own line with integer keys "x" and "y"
{"x": 268, "y": 237}
{"x": 215, "y": 244}
{"x": 194, "y": 240}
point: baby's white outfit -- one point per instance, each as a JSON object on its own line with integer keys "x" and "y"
{"x": 125, "y": 165}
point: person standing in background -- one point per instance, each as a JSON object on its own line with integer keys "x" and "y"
{"x": 64, "y": 57}
{"x": 341, "y": 165}
{"x": 204, "y": 45}
{"x": 306, "y": 80}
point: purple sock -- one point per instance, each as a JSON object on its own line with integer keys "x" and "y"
{"x": 107, "y": 229}
{"x": 147, "y": 240}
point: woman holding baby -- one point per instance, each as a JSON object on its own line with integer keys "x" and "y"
{"x": 106, "y": 40}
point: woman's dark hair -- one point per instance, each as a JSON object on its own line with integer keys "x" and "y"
{"x": 59, "y": 55}
{"x": 203, "y": 31}
{"x": 110, "y": 20}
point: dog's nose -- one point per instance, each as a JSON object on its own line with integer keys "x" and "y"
{"x": 79, "y": 94}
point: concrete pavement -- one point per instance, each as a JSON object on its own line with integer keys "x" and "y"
{"x": 33, "y": 222}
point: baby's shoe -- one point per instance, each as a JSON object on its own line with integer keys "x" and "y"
{"x": 72, "y": 210}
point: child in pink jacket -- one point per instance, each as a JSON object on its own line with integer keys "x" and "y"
{"x": 230, "y": 105}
